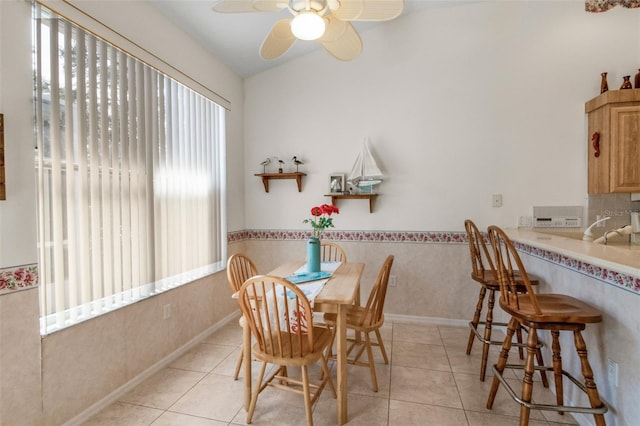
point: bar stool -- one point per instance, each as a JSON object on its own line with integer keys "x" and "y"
{"x": 488, "y": 279}
{"x": 553, "y": 312}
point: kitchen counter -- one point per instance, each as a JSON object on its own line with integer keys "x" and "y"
{"x": 617, "y": 256}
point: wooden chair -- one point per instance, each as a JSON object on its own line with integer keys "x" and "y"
{"x": 487, "y": 277}
{"x": 332, "y": 252}
{"x": 554, "y": 312}
{"x": 367, "y": 319}
{"x": 281, "y": 321}
{"x": 239, "y": 269}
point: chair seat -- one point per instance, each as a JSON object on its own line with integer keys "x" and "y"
{"x": 358, "y": 318}
{"x": 292, "y": 354}
{"x": 556, "y": 308}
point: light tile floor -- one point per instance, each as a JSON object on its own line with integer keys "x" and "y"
{"x": 429, "y": 381}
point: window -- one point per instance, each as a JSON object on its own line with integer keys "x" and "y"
{"x": 130, "y": 176}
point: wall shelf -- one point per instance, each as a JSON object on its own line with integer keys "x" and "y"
{"x": 370, "y": 197}
{"x": 266, "y": 177}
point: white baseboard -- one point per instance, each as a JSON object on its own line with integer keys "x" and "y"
{"x": 127, "y": 387}
{"x": 425, "y": 320}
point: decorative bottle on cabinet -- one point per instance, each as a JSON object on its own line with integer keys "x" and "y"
{"x": 603, "y": 83}
{"x": 637, "y": 80}
{"x": 626, "y": 84}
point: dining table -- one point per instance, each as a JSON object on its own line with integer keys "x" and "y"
{"x": 339, "y": 293}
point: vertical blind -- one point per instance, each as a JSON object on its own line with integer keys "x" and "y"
{"x": 130, "y": 176}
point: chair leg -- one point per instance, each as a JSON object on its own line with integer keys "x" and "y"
{"x": 557, "y": 366}
{"x": 239, "y": 364}
{"x": 326, "y": 375}
{"x": 306, "y": 392}
{"x": 372, "y": 365}
{"x": 256, "y": 391}
{"x": 381, "y": 345}
{"x": 543, "y": 373}
{"x": 529, "y": 370}
{"x": 487, "y": 333}
{"x": 476, "y": 318}
{"x": 519, "y": 338}
{"x": 502, "y": 360}
{"x": 587, "y": 373}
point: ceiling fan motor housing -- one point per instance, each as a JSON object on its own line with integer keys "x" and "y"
{"x": 318, "y": 6}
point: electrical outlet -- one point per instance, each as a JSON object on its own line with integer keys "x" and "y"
{"x": 496, "y": 200}
{"x": 612, "y": 372}
{"x": 392, "y": 281}
{"x": 166, "y": 311}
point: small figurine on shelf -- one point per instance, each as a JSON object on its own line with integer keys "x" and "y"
{"x": 637, "y": 80}
{"x": 626, "y": 84}
{"x": 296, "y": 162}
{"x": 281, "y": 162}
{"x": 604, "y": 86}
{"x": 264, "y": 164}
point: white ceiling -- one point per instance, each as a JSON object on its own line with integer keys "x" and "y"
{"x": 235, "y": 38}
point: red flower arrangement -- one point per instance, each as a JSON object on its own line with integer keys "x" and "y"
{"x": 321, "y": 219}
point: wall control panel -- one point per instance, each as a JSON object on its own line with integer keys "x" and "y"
{"x": 557, "y": 222}
{"x": 557, "y": 217}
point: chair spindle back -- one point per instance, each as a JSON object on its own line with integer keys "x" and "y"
{"x": 332, "y": 252}
{"x": 508, "y": 261}
{"x": 279, "y": 315}
{"x": 478, "y": 250}
{"x": 239, "y": 269}
{"x": 375, "y": 304}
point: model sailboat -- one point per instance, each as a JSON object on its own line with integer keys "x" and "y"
{"x": 365, "y": 173}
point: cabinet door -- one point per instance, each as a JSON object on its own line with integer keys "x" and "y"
{"x": 599, "y": 172}
{"x": 625, "y": 149}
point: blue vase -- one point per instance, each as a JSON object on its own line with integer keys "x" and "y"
{"x": 313, "y": 255}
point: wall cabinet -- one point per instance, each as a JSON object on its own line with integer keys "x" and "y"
{"x": 614, "y": 142}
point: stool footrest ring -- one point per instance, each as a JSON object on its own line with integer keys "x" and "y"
{"x": 547, "y": 407}
{"x": 498, "y": 342}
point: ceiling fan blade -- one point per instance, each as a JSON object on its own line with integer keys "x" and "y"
{"x": 237, "y": 6}
{"x": 367, "y": 10}
{"x": 340, "y": 39}
{"x": 278, "y": 41}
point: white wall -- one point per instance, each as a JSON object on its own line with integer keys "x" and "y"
{"x": 51, "y": 380}
{"x": 460, "y": 103}
{"x": 18, "y": 211}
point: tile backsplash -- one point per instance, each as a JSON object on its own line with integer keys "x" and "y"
{"x": 616, "y": 206}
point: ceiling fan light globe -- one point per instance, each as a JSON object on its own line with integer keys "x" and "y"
{"x": 308, "y": 26}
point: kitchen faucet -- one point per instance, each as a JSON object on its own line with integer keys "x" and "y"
{"x": 625, "y": 230}
{"x": 588, "y": 235}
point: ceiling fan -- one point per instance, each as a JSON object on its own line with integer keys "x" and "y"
{"x": 326, "y": 21}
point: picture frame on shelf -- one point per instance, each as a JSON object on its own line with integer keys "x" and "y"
{"x": 337, "y": 183}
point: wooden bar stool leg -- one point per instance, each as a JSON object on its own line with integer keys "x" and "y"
{"x": 557, "y": 367}
{"x": 502, "y": 360}
{"x": 587, "y": 373}
{"x": 487, "y": 333}
{"x": 519, "y": 337}
{"x": 529, "y": 370}
{"x": 476, "y": 318}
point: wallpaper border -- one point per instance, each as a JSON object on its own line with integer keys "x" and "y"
{"x": 17, "y": 278}
{"x": 617, "y": 279}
